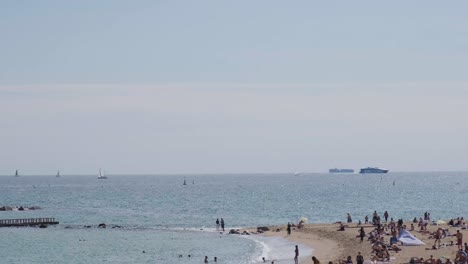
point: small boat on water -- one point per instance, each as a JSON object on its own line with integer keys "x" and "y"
{"x": 16, "y": 173}
{"x": 373, "y": 170}
{"x": 336, "y": 170}
{"x": 101, "y": 175}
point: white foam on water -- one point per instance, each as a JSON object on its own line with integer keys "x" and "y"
{"x": 278, "y": 249}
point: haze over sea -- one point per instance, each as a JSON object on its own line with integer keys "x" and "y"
{"x": 164, "y": 218}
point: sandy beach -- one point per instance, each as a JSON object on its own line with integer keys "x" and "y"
{"x": 332, "y": 245}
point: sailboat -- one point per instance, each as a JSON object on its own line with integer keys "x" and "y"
{"x": 16, "y": 173}
{"x": 185, "y": 182}
{"x": 101, "y": 175}
{"x": 58, "y": 174}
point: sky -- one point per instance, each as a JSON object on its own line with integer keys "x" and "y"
{"x": 139, "y": 87}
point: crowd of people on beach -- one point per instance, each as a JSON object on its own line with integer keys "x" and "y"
{"x": 385, "y": 236}
{"x": 381, "y": 249}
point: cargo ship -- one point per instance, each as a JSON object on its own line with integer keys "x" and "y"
{"x": 336, "y": 170}
{"x": 373, "y": 170}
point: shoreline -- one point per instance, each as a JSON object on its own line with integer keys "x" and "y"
{"x": 328, "y": 244}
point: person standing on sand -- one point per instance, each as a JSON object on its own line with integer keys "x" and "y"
{"x": 362, "y": 234}
{"x": 359, "y": 258}
{"x": 222, "y": 224}
{"x": 296, "y": 255}
{"x": 437, "y": 236}
{"x": 459, "y": 239}
{"x": 289, "y": 228}
{"x": 217, "y": 223}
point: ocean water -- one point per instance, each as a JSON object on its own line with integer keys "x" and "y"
{"x": 165, "y": 219}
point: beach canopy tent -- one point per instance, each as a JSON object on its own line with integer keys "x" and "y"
{"x": 407, "y": 239}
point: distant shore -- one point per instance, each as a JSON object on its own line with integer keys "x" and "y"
{"x": 331, "y": 245}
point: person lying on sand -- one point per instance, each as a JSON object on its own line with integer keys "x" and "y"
{"x": 415, "y": 260}
{"x": 348, "y": 260}
{"x": 430, "y": 260}
{"x": 381, "y": 256}
{"x": 460, "y": 258}
{"x": 395, "y": 248}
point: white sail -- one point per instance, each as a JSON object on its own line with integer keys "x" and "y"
{"x": 58, "y": 174}
{"x": 101, "y": 175}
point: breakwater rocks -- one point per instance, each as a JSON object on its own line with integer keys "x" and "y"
{"x": 19, "y": 208}
{"x": 101, "y": 225}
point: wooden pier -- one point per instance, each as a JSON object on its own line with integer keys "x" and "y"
{"x": 28, "y": 222}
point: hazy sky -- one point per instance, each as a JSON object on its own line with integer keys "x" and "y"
{"x": 232, "y": 86}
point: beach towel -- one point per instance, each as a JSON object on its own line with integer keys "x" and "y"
{"x": 407, "y": 239}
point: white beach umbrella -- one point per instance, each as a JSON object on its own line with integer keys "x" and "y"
{"x": 304, "y": 219}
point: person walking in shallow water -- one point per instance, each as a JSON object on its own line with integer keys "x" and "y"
{"x": 289, "y": 228}
{"x": 222, "y": 224}
{"x": 296, "y": 255}
{"x": 217, "y": 223}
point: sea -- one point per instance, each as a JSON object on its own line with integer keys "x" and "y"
{"x": 157, "y": 219}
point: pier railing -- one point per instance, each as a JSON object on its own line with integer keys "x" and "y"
{"x": 28, "y": 222}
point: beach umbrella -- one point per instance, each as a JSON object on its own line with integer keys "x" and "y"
{"x": 440, "y": 222}
{"x": 304, "y": 219}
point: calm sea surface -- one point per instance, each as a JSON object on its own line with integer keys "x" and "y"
{"x": 164, "y": 218}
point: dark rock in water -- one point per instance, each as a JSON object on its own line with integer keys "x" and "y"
{"x": 263, "y": 228}
{"x": 21, "y": 208}
{"x": 43, "y": 226}
{"x": 102, "y": 225}
{"x": 88, "y": 226}
{"x": 233, "y": 231}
